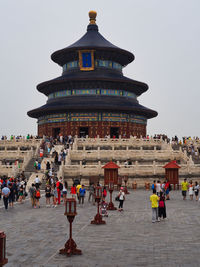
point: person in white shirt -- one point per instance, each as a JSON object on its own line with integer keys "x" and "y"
{"x": 121, "y": 199}
{"x": 158, "y": 188}
{"x": 5, "y": 193}
{"x": 37, "y": 182}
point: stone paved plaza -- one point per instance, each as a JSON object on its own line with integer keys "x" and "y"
{"x": 34, "y": 236}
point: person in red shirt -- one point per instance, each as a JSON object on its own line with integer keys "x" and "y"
{"x": 73, "y": 191}
{"x": 58, "y": 190}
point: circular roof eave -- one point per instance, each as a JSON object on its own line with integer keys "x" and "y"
{"x": 57, "y": 107}
{"x": 58, "y": 56}
{"x": 42, "y": 86}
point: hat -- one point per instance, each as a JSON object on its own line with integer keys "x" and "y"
{"x": 121, "y": 188}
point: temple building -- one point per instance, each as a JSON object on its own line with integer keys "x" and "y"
{"x": 92, "y": 96}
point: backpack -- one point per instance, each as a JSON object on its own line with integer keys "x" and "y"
{"x": 60, "y": 186}
{"x": 152, "y": 187}
{"x": 161, "y": 204}
{"x": 37, "y": 193}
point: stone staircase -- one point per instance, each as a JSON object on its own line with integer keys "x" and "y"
{"x": 30, "y": 168}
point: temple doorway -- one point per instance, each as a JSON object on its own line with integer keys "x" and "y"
{"x": 56, "y": 132}
{"x": 83, "y": 131}
{"x": 114, "y": 132}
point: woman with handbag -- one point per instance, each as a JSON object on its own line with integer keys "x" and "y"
{"x": 121, "y": 199}
{"x": 191, "y": 190}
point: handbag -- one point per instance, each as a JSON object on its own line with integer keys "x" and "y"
{"x": 117, "y": 198}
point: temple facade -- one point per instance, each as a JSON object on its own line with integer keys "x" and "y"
{"x": 92, "y": 96}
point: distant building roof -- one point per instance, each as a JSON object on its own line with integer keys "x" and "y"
{"x": 111, "y": 165}
{"x": 172, "y": 165}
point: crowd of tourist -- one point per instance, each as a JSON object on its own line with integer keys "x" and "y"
{"x": 56, "y": 190}
{"x": 13, "y": 190}
{"x": 161, "y": 194}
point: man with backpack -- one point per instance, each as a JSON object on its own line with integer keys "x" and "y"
{"x": 82, "y": 194}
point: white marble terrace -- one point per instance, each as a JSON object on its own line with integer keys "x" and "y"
{"x": 147, "y": 156}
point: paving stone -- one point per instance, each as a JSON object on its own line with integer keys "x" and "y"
{"x": 34, "y": 236}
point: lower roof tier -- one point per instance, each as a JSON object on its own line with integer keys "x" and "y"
{"x": 92, "y": 103}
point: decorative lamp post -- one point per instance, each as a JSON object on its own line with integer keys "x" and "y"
{"x": 111, "y": 188}
{"x": 70, "y": 212}
{"x": 98, "y": 217}
{"x": 125, "y": 181}
{"x": 3, "y": 259}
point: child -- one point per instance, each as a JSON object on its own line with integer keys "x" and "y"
{"x": 104, "y": 192}
{"x": 104, "y": 206}
{"x": 162, "y": 207}
{"x": 154, "y": 204}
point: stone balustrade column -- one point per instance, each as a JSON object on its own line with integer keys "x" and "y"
{"x": 99, "y": 168}
{"x": 18, "y": 151}
{"x": 98, "y": 153}
{"x": 80, "y": 168}
{"x": 154, "y": 167}
{"x": 136, "y": 167}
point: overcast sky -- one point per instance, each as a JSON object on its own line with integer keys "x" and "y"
{"x": 164, "y": 36}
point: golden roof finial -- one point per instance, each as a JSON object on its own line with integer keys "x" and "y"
{"x": 92, "y": 16}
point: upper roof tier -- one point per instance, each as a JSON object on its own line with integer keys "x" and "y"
{"x": 93, "y": 40}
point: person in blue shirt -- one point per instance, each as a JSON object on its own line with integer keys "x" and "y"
{"x": 82, "y": 194}
{"x": 5, "y": 193}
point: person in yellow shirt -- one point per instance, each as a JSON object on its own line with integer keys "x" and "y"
{"x": 184, "y": 188}
{"x": 77, "y": 190}
{"x": 154, "y": 204}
